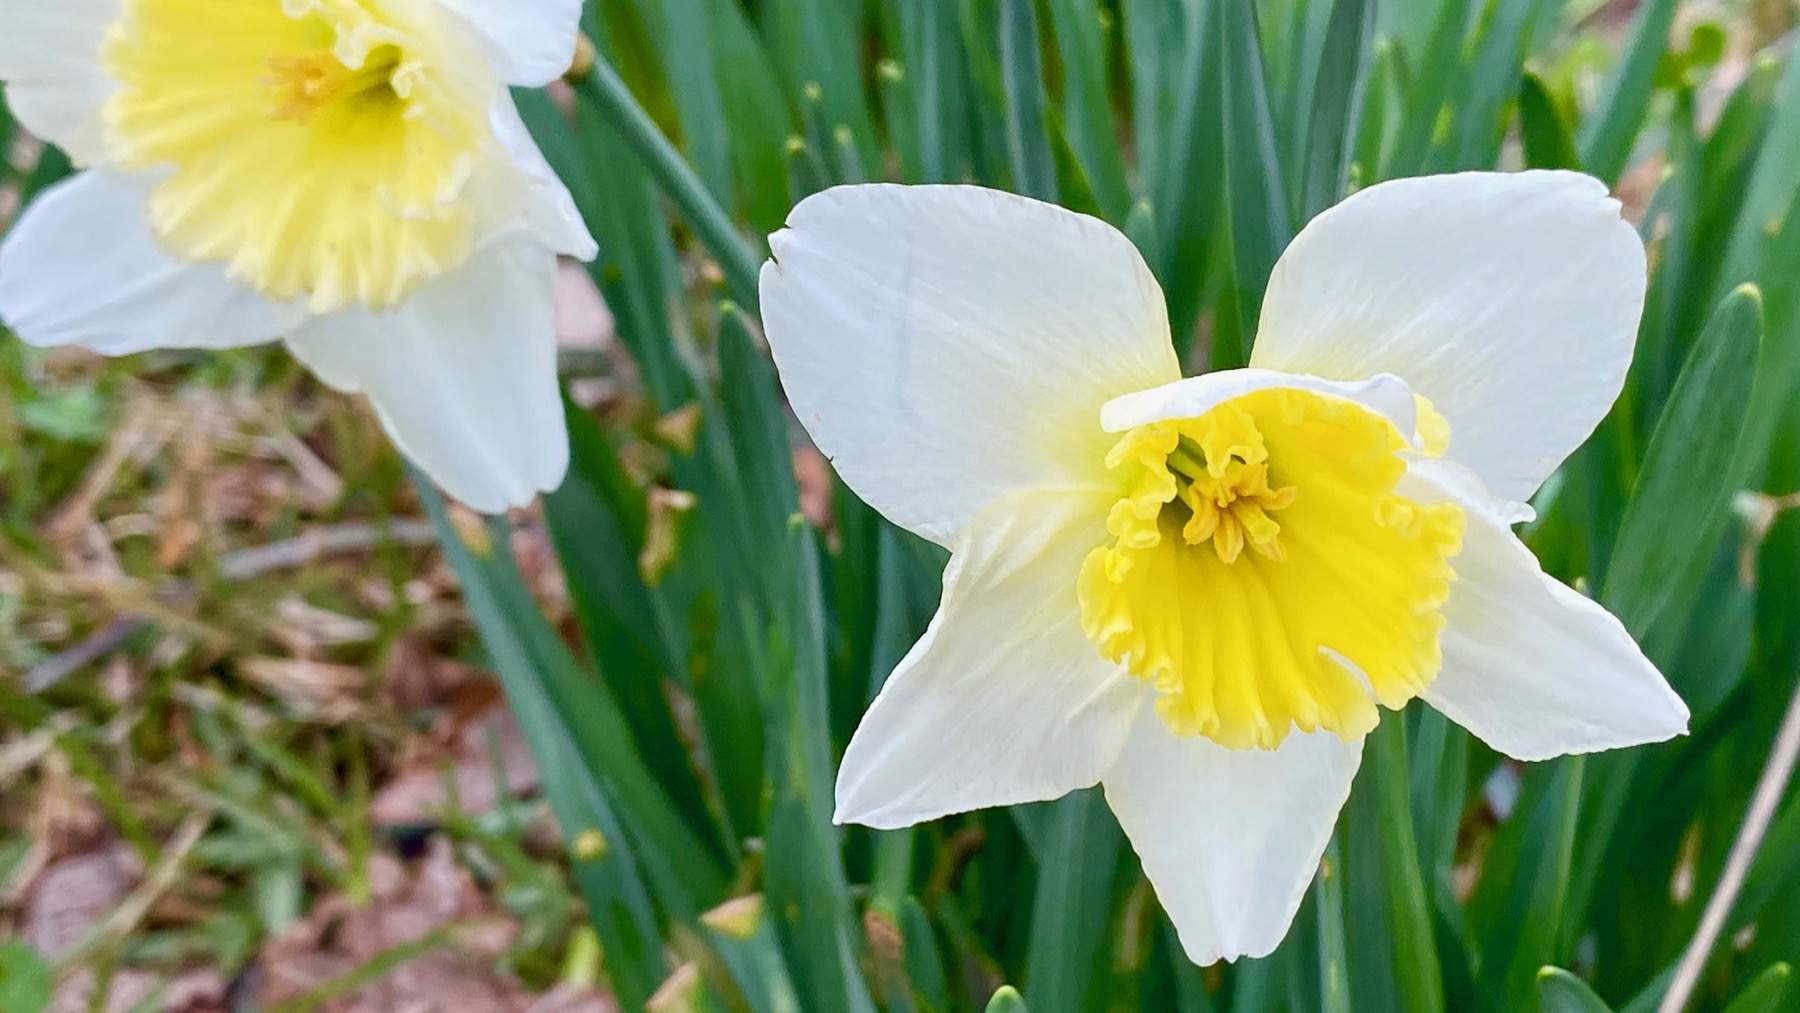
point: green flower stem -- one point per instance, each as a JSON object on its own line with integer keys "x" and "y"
{"x": 1415, "y": 949}
{"x": 602, "y": 86}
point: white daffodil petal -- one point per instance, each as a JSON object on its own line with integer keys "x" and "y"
{"x": 1435, "y": 480}
{"x": 50, "y": 61}
{"x": 548, "y": 209}
{"x": 1511, "y": 300}
{"x": 1230, "y": 838}
{"x": 536, "y": 37}
{"x": 947, "y": 344}
{"x": 1534, "y": 668}
{"x": 80, "y": 268}
{"x": 1003, "y": 700}
{"x": 462, "y": 375}
{"x": 1194, "y": 396}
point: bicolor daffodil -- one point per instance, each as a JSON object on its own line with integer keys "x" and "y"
{"x": 1201, "y": 592}
{"x": 350, "y": 176}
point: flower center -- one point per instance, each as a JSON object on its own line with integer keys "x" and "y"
{"x": 1334, "y": 607}
{"x": 325, "y": 150}
{"x": 308, "y": 82}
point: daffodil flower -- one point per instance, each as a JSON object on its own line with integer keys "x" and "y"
{"x": 348, "y": 175}
{"x": 1200, "y": 593}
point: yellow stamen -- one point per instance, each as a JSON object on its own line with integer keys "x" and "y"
{"x": 1334, "y": 608}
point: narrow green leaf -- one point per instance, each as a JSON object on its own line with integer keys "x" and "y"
{"x": 1490, "y": 85}
{"x": 603, "y": 87}
{"x": 1533, "y": 938}
{"x": 1069, "y": 924}
{"x": 1434, "y": 69}
{"x": 1334, "y": 960}
{"x": 9, "y": 129}
{"x": 1072, "y": 186}
{"x": 1415, "y": 947}
{"x": 741, "y": 934}
{"x": 682, "y": 31}
{"x": 1765, "y": 991}
{"x": 1779, "y": 369}
{"x": 924, "y": 959}
{"x": 1081, "y": 28}
{"x": 818, "y": 43}
{"x": 1611, "y": 129}
{"x": 637, "y": 260}
{"x": 806, "y": 884}
{"x": 1771, "y": 188}
{"x": 1188, "y": 204}
{"x": 1261, "y": 223}
{"x": 1559, "y": 991}
{"x": 755, "y": 114}
{"x": 757, "y": 425}
{"x": 1547, "y": 141}
{"x": 932, "y": 70}
{"x": 596, "y": 520}
{"x": 1156, "y": 45}
{"x": 604, "y": 853}
{"x": 1027, "y": 142}
{"x": 1372, "y": 128}
{"x": 1336, "y": 104}
{"x": 24, "y": 977}
{"x": 1006, "y": 1000}
{"x": 1671, "y": 521}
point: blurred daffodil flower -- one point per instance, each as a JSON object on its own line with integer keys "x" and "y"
{"x": 348, "y": 175}
{"x": 1200, "y": 592}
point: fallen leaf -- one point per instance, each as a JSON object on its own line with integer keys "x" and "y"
{"x": 75, "y": 892}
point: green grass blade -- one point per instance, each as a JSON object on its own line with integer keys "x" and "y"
{"x": 682, "y": 32}
{"x": 1081, "y": 38}
{"x": 1433, "y": 70}
{"x": 1546, "y": 138}
{"x": 1006, "y": 999}
{"x": 603, "y": 87}
{"x": 1415, "y": 946}
{"x": 1774, "y": 390}
{"x": 1558, "y": 991}
{"x": 602, "y": 849}
{"x": 1336, "y": 104}
{"x": 741, "y": 934}
{"x": 817, "y": 42}
{"x": 636, "y": 261}
{"x": 1765, "y": 992}
{"x": 1672, "y": 521}
{"x": 1334, "y": 959}
{"x": 1372, "y": 128}
{"x": 1261, "y": 222}
{"x": 755, "y": 114}
{"x": 931, "y": 65}
{"x": 1536, "y": 937}
{"x": 596, "y": 520}
{"x": 1021, "y": 73}
{"x": 1069, "y": 918}
{"x": 1188, "y": 204}
{"x": 682, "y": 869}
{"x": 1611, "y": 130}
{"x": 806, "y": 883}
{"x": 924, "y": 959}
{"x": 1491, "y": 85}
